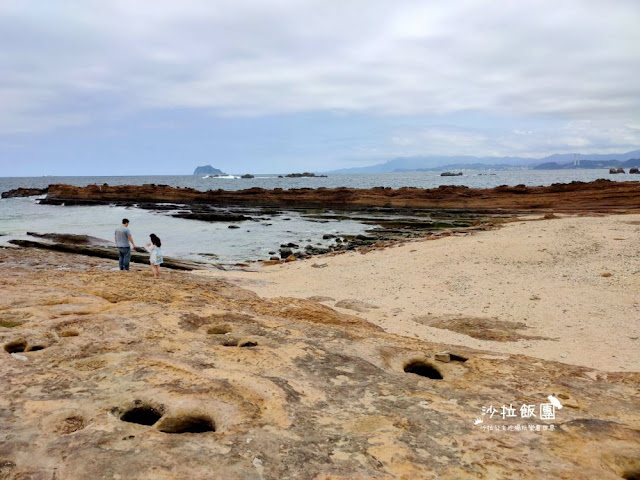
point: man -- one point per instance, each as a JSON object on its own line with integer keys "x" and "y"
{"x": 122, "y": 238}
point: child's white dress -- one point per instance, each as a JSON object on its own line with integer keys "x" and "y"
{"x": 156, "y": 255}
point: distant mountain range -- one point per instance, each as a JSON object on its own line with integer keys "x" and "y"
{"x": 552, "y": 162}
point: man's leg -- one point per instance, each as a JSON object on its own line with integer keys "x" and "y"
{"x": 127, "y": 258}
{"x": 121, "y": 258}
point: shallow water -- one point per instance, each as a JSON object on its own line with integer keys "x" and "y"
{"x": 254, "y": 239}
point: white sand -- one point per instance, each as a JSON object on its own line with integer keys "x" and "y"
{"x": 546, "y": 274}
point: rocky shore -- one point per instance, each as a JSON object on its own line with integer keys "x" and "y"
{"x": 109, "y": 375}
{"x": 597, "y": 196}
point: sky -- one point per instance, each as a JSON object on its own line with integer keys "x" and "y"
{"x": 115, "y": 87}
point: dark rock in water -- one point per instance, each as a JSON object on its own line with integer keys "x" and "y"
{"x": 634, "y": 170}
{"x": 619, "y": 170}
{"x": 212, "y": 217}
{"x": 328, "y": 236}
{"x": 305, "y": 175}
{"x": 285, "y": 252}
{"x": 24, "y": 192}
{"x": 451, "y": 174}
{"x": 208, "y": 170}
{"x": 612, "y": 171}
{"x": 247, "y": 175}
{"x": 110, "y": 253}
{"x": 290, "y": 245}
{"x": 72, "y": 239}
{"x": 233, "y": 226}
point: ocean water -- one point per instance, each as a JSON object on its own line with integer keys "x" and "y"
{"x": 194, "y": 239}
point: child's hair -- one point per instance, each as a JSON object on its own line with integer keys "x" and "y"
{"x": 155, "y": 240}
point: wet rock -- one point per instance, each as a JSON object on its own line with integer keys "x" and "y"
{"x": 24, "y": 192}
{"x": 212, "y": 217}
{"x": 285, "y": 252}
{"x": 110, "y": 253}
{"x": 574, "y": 196}
{"x": 247, "y": 175}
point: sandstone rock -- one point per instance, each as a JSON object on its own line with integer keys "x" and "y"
{"x": 321, "y": 396}
{"x": 24, "y": 192}
{"x": 443, "y": 357}
{"x": 600, "y": 195}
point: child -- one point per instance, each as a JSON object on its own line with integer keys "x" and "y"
{"x": 156, "y": 254}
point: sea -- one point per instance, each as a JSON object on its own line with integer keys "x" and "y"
{"x": 216, "y": 242}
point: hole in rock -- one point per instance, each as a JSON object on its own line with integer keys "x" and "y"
{"x": 632, "y": 475}
{"x": 142, "y": 415}
{"x": 248, "y": 343}
{"x": 423, "y": 369}
{"x": 457, "y": 358}
{"x": 35, "y": 348}
{"x": 16, "y": 346}
{"x": 188, "y": 424}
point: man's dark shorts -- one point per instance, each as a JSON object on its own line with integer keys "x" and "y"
{"x": 124, "y": 256}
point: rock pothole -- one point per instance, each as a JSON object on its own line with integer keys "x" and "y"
{"x": 142, "y": 414}
{"x": 190, "y": 423}
{"x": 17, "y": 346}
{"x": 424, "y": 369}
{"x": 35, "y": 348}
{"x": 248, "y": 343}
{"x": 457, "y": 358}
{"x": 632, "y": 475}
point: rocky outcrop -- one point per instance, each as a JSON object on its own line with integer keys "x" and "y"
{"x": 208, "y": 170}
{"x": 597, "y": 196}
{"x": 212, "y": 217}
{"x": 108, "y": 252}
{"x": 634, "y": 170}
{"x": 24, "y": 192}
{"x": 451, "y": 174}
{"x": 304, "y": 175}
{"x": 193, "y": 377}
{"x": 71, "y": 239}
{"x": 247, "y": 175}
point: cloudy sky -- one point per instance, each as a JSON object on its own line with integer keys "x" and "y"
{"x": 141, "y": 87}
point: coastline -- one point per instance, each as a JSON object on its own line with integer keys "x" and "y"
{"x": 571, "y": 281}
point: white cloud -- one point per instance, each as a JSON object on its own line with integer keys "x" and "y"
{"x": 66, "y": 62}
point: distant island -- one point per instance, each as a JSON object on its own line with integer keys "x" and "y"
{"x": 208, "y": 170}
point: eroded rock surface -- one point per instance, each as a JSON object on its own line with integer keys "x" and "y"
{"x": 600, "y": 195}
{"x": 192, "y": 377}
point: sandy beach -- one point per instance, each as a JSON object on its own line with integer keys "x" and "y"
{"x": 563, "y": 289}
